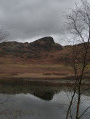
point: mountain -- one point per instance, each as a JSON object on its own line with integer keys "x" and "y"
{"x": 39, "y": 50}
{"x": 43, "y": 50}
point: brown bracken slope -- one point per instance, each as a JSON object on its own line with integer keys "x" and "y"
{"x": 41, "y": 59}
{"x": 44, "y": 50}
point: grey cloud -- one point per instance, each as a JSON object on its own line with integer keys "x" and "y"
{"x": 26, "y": 19}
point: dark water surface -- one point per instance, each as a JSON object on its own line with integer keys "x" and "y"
{"x": 38, "y": 102}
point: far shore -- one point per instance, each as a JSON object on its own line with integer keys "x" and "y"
{"x": 68, "y": 81}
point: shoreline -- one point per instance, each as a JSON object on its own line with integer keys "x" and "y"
{"x": 42, "y": 81}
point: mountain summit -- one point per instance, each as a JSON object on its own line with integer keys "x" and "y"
{"x": 46, "y": 43}
{"x": 37, "y": 50}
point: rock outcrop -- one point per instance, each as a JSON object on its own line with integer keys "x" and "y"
{"x": 46, "y": 43}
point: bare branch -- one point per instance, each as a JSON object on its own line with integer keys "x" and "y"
{"x": 79, "y": 26}
{"x": 3, "y": 35}
{"x": 84, "y": 112}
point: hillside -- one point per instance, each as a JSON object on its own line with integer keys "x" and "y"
{"x": 42, "y": 60}
{"x": 43, "y": 50}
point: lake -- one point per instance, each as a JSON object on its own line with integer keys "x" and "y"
{"x": 38, "y": 102}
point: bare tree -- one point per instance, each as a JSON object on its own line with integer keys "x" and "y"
{"x": 79, "y": 27}
{"x": 3, "y": 35}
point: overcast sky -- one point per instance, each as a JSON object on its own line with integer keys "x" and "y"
{"x": 28, "y": 20}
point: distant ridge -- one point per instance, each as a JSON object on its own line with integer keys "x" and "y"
{"x": 37, "y": 50}
{"x": 43, "y": 50}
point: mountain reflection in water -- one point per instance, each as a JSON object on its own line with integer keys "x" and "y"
{"x": 25, "y": 105}
{"x": 42, "y": 92}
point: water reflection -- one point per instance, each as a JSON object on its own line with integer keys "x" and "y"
{"x": 47, "y": 95}
{"x": 62, "y": 98}
{"x": 42, "y": 92}
{"x": 27, "y": 102}
{"x": 27, "y": 106}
